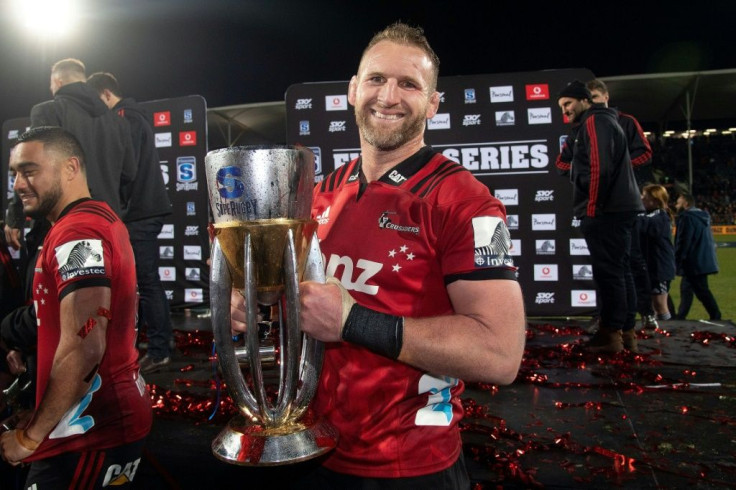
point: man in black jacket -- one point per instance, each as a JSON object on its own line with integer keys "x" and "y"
{"x": 104, "y": 137}
{"x": 144, "y": 219}
{"x": 606, "y": 200}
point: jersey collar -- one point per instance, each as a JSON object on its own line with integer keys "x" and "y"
{"x": 402, "y": 172}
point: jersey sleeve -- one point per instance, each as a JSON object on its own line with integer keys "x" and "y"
{"x": 474, "y": 242}
{"x": 80, "y": 257}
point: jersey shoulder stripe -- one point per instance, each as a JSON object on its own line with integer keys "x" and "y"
{"x": 96, "y": 207}
{"x": 444, "y": 167}
{"x": 337, "y": 177}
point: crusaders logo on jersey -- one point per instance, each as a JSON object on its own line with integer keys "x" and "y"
{"x": 385, "y": 222}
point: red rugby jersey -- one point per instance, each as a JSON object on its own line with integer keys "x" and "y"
{"x": 394, "y": 244}
{"x": 89, "y": 246}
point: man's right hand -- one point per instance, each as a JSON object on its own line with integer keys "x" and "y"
{"x": 12, "y": 236}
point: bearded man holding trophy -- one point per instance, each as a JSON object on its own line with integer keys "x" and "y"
{"x": 421, "y": 292}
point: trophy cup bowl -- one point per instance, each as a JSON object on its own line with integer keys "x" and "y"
{"x": 264, "y": 244}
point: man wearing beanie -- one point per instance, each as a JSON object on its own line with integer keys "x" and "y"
{"x": 606, "y": 201}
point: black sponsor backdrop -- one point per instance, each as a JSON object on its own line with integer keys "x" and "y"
{"x": 506, "y": 129}
{"x": 180, "y": 128}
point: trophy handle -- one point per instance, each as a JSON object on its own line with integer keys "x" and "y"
{"x": 313, "y": 350}
{"x": 220, "y": 289}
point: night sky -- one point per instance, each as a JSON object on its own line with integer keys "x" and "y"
{"x": 240, "y": 52}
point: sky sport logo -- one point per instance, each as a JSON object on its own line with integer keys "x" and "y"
{"x": 471, "y": 120}
{"x": 544, "y": 196}
{"x": 303, "y": 104}
{"x": 191, "y": 230}
{"x": 545, "y": 298}
{"x": 337, "y": 126}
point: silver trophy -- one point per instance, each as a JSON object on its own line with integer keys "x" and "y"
{"x": 265, "y": 243}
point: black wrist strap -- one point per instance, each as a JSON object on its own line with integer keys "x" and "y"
{"x": 379, "y": 332}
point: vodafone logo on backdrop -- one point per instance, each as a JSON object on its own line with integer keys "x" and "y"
{"x": 187, "y": 138}
{"x": 162, "y": 118}
{"x": 582, "y": 297}
{"x": 537, "y": 91}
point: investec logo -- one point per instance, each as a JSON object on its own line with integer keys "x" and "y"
{"x": 545, "y": 298}
{"x": 509, "y": 197}
{"x": 479, "y": 157}
{"x": 545, "y": 247}
{"x": 578, "y": 246}
{"x": 439, "y": 121}
{"x": 471, "y": 120}
{"x": 544, "y": 196}
{"x": 544, "y": 221}
{"x": 512, "y": 221}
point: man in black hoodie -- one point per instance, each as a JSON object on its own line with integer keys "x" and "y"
{"x": 605, "y": 200}
{"x": 104, "y": 137}
{"x": 144, "y": 219}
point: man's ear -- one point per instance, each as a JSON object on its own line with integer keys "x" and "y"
{"x": 352, "y": 90}
{"x": 434, "y": 104}
{"x": 72, "y": 167}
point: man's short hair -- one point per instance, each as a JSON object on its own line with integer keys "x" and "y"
{"x": 401, "y": 33}
{"x": 69, "y": 68}
{"x": 597, "y": 84}
{"x": 57, "y": 139}
{"x": 102, "y": 81}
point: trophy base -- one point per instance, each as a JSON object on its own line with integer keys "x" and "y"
{"x": 246, "y": 444}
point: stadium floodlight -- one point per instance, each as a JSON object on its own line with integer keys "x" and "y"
{"x": 47, "y": 18}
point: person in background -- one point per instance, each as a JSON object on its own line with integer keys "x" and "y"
{"x": 105, "y": 140}
{"x": 144, "y": 218}
{"x": 93, "y": 410}
{"x": 695, "y": 257}
{"x": 656, "y": 240}
{"x": 428, "y": 297}
{"x": 606, "y": 200}
{"x": 640, "y": 150}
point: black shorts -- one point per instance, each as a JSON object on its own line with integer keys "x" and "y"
{"x": 110, "y": 468}
{"x": 660, "y": 287}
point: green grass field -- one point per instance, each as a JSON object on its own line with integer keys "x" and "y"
{"x": 723, "y": 284}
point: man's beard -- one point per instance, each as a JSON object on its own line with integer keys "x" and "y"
{"x": 46, "y": 203}
{"x": 384, "y": 139}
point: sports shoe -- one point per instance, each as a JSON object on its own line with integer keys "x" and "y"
{"x": 629, "y": 339}
{"x": 649, "y": 323}
{"x": 606, "y": 340}
{"x": 149, "y": 364}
